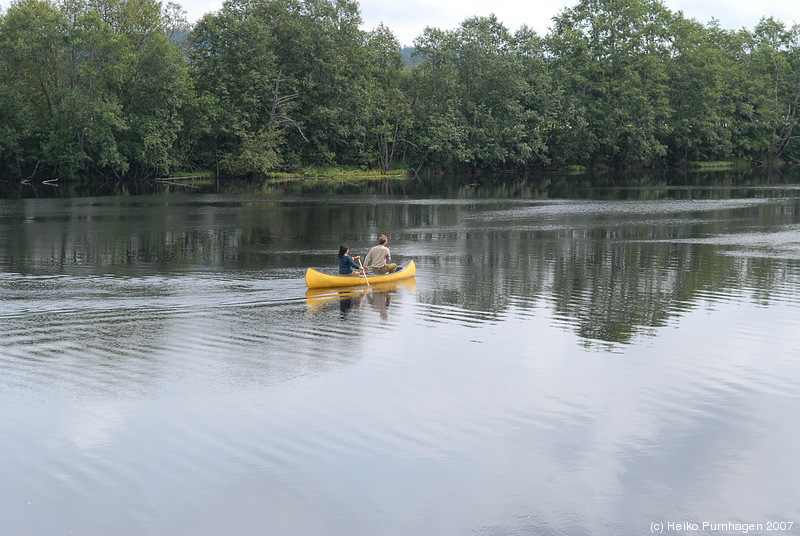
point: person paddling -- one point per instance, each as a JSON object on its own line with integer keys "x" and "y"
{"x": 379, "y": 258}
{"x": 347, "y": 265}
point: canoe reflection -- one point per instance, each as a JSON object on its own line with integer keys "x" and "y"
{"x": 377, "y": 297}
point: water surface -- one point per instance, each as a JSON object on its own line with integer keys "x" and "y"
{"x": 558, "y": 366}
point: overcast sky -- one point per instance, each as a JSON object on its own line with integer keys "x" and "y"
{"x": 408, "y": 18}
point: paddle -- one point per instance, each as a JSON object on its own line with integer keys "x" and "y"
{"x": 362, "y": 271}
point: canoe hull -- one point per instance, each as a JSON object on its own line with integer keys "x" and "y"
{"x": 315, "y": 279}
{"x": 317, "y": 299}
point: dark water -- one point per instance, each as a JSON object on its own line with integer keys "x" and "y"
{"x": 558, "y": 366}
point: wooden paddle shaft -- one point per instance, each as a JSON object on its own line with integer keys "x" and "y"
{"x": 363, "y": 271}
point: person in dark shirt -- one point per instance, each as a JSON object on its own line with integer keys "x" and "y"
{"x": 348, "y": 266}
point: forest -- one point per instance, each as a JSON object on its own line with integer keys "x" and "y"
{"x": 127, "y": 89}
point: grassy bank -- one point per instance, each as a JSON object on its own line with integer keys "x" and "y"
{"x": 357, "y": 175}
{"x": 338, "y": 174}
{"x": 719, "y": 165}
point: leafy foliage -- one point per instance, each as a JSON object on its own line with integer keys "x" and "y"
{"x": 127, "y": 89}
{"x": 92, "y": 88}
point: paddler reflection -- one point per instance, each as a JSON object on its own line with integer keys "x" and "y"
{"x": 346, "y": 303}
{"x": 380, "y": 301}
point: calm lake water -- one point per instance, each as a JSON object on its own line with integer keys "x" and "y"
{"x": 561, "y": 365}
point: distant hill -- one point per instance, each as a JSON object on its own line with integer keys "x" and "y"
{"x": 409, "y": 61}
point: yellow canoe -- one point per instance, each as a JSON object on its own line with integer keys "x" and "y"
{"x": 315, "y": 279}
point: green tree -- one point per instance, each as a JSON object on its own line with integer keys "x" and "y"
{"x": 16, "y": 126}
{"x": 235, "y": 72}
{"x": 555, "y": 115}
{"x": 776, "y": 63}
{"x": 31, "y": 38}
{"x": 439, "y": 129}
{"x": 616, "y": 52}
{"x": 97, "y": 88}
{"x": 702, "y": 72}
{"x": 387, "y": 117}
{"x": 312, "y": 51}
{"x": 474, "y": 99}
{"x": 321, "y": 54}
{"x": 492, "y": 75}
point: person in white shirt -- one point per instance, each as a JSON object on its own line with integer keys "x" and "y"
{"x": 379, "y": 258}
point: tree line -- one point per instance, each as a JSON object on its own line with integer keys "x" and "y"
{"x": 127, "y": 89}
